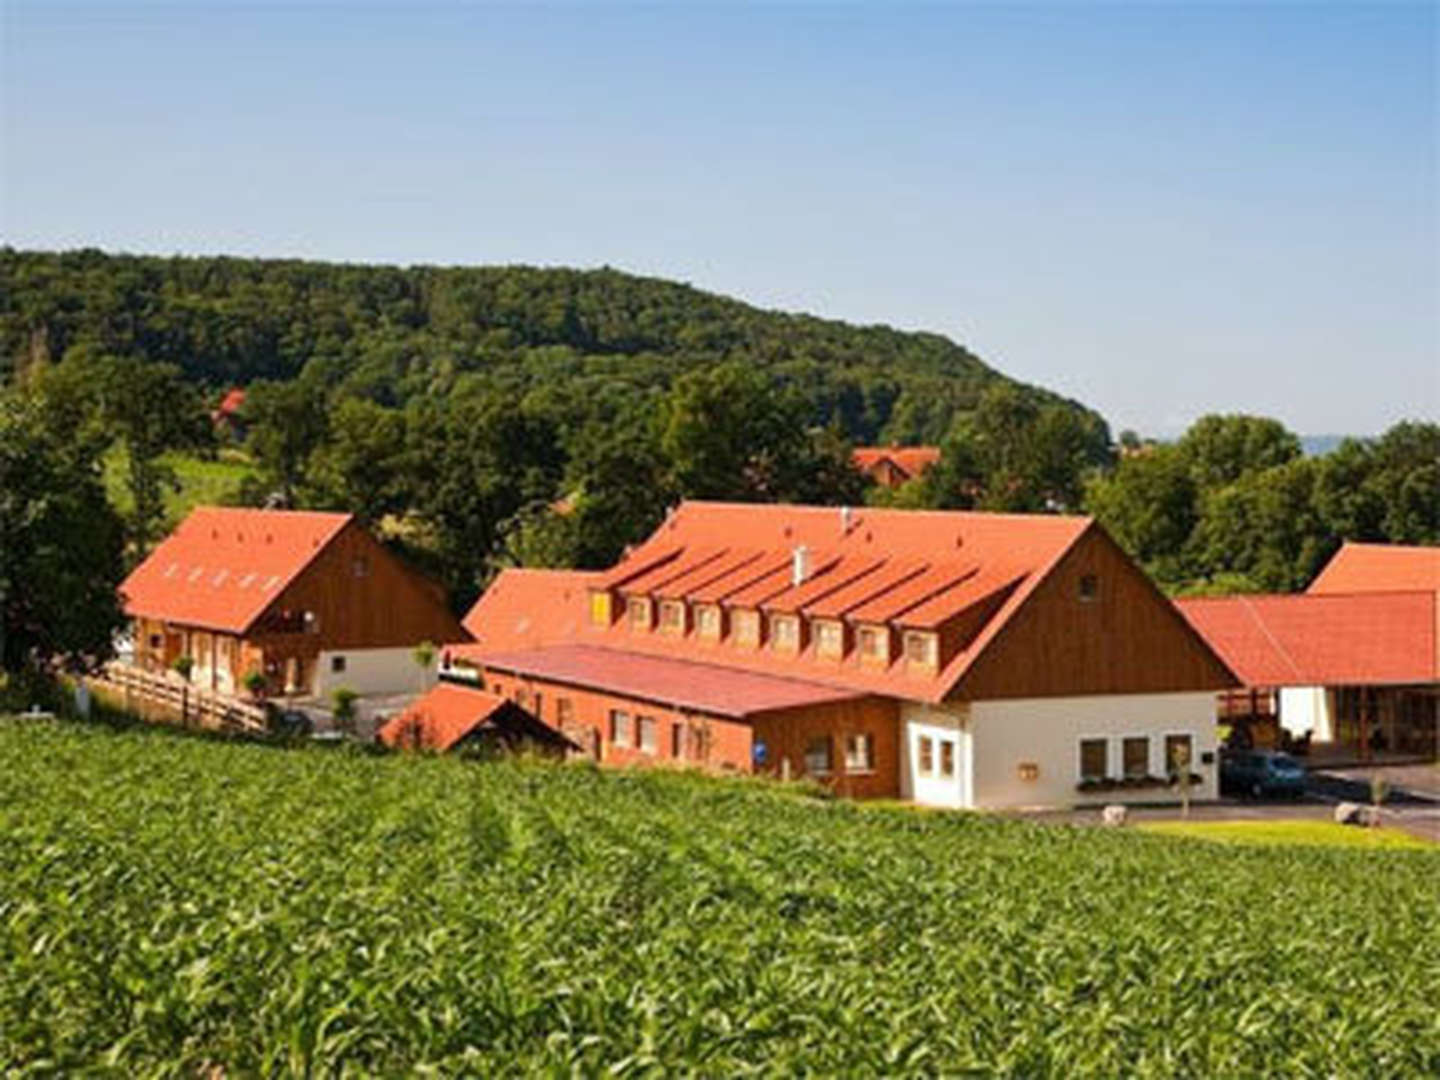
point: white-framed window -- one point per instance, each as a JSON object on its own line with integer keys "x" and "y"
{"x": 707, "y": 621}
{"x": 921, "y": 648}
{"x": 874, "y": 643}
{"x": 926, "y": 755}
{"x": 746, "y": 624}
{"x": 648, "y": 733}
{"x": 1179, "y": 743}
{"x": 637, "y": 610}
{"x": 1094, "y": 759}
{"x": 785, "y": 632}
{"x": 947, "y": 758}
{"x": 672, "y": 616}
{"x": 621, "y": 731}
{"x": 860, "y": 753}
{"x": 829, "y": 638}
{"x": 1135, "y": 755}
{"x": 817, "y": 755}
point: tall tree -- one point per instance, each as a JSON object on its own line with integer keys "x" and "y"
{"x": 1222, "y": 449}
{"x": 288, "y": 422}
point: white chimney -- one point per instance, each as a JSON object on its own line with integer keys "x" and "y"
{"x": 844, "y": 521}
{"x": 799, "y": 565}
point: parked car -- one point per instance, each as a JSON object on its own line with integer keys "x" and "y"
{"x": 1262, "y": 772}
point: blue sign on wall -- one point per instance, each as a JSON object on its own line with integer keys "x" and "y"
{"x": 757, "y": 753}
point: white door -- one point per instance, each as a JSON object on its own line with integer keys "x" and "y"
{"x": 935, "y": 763}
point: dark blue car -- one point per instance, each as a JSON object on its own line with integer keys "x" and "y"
{"x": 1262, "y": 772}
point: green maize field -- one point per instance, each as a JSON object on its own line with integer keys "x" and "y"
{"x": 185, "y": 907}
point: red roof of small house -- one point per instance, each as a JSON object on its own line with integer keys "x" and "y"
{"x": 1359, "y": 639}
{"x": 232, "y": 401}
{"x": 865, "y": 565}
{"x": 707, "y": 688}
{"x": 1359, "y": 568}
{"x": 223, "y": 566}
{"x": 911, "y": 460}
{"x": 440, "y": 718}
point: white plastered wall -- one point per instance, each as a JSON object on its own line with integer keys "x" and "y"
{"x": 372, "y": 671}
{"x": 940, "y": 725}
{"x": 1306, "y": 708}
{"x": 1046, "y": 733}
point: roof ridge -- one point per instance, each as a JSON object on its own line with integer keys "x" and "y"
{"x": 1249, "y": 609}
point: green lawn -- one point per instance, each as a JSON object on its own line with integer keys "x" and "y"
{"x": 1304, "y": 833}
{"x": 172, "y": 905}
{"x": 202, "y": 481}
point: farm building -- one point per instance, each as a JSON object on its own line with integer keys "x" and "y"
{"x": 955, "y": 659}
{"x": 892, "y": 466}
{"x": 1351, "y": 666}
{"x": 451, "y": 717}
{"x": 310, "y": 600}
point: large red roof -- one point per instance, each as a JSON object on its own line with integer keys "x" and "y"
{"x": 1306, "y": 640}
{"x": 912, "y": 567}
{"x": 1379, "y": 568}
{"x": 224, "y": 566}
{"x": 440, "y": 718}
{"x": 708, "y": 688}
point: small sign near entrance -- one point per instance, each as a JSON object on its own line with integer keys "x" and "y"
{"x": 1029, "y": 771}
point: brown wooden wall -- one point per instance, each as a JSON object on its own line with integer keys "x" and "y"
{"x": 391, "y": 606}
{"x": 1129, "y": 640}
{"x": 786, "y": 734}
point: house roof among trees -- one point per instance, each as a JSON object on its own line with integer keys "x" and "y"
{"x": 1359, "y": 568}
{"x": 911, "y": 460}
{"x": 223, "y": 566}
{"x": 1358, "y": 639}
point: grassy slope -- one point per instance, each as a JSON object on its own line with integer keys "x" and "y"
{"x": 202, "y": 481}
{"x": 1304, "y": 833}
{"x": 172, "y": 904}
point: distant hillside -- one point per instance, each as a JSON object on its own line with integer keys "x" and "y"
{"x": 1318, "y": 445}
{"x": 390, "y": 333}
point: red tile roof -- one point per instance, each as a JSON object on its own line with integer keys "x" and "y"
{"x": 683, "y": 684}
{"x": 231, "y": 402}
{"x": 914, "y": 561}
{"x": 440, "y": 718}
{"x": 224, "y": 566}
{"x": 1343, "y": 640}
{"x": 911, "y": 460}
{"x": 1379, "y": 568}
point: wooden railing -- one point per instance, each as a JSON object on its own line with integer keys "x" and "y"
{"x": 167, "y": 698}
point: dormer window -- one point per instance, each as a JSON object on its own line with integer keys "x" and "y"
{"x": 829, "y": 638}
{"x": 922, "y": 650}
{"x": 638, "y": 612}
{"x": 707, "y": 621}
{"x": 785, "y": 633}
{"x": 745, "y": 624}
{"x": 672, "y": 617}
{"x": 873, "y": 644}
{"x": 602, "y": 612}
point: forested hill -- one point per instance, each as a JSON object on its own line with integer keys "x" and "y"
{"x": 389, "y": 333}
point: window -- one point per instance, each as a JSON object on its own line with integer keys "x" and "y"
{"x": 337, "y": 664}
{"x": 747, "y": 627}
{"x": 672, "y": 616}
{"x": 707, "y": 621}
{"x": 817, "y": 756}
{"x": 677, "y": 741}
{"x": 647, "y": 731}
{"x": 874, "y": 642}
{"x": 927, "y": 755}
{"x": 154, "y": 641}
{"x": 920, "y": 648}
{"x": 859, "y": 753}
{"x": 497, "y": 690}
{"x": 1179, "y": 754}
{"x": 1094, "y": 754}
{"x": 947, "y": 758}
{"x": 564, "y": 711}
{"x": 600, "y": 608}
{"x": 1088, "y": 589}
{"x": 1137, "y": 755}
{"x": 638, "y": 610}
{"x": 360, "y": 566}
{"x": 829, "y": 638}
{"x": 539, "y": 704}
{"x": 785, "y": 632}
{"x": 620, "y": 733}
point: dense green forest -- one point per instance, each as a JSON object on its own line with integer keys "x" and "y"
{"x": 498, "y": 416}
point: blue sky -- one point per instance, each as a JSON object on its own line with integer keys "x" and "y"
{"x": 1161, "y": 210}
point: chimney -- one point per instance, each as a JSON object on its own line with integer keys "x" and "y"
{"x": 844, "y": 521}
{"x": 799, "y": 565}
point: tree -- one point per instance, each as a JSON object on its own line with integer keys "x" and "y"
{"x": 360, "y": 466}
{"x": 424, "y": 656}
{"x": 61, "y": 546}
{"x": 1148, "y": 503}
{"x": 1222, "y": 449}
{"x": 342, "y": 708}
{"x": 288, "y": 421}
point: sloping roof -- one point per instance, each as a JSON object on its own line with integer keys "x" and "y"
{"x": 1359, "y": 568}
{"x": 707, "y": 688}
{"x": 911, "y": 460}
{"x": 525, "y": 609}
{"x": 935, "y": 564}
{"x": 231, "y": 402}
{"x": 1304, "y": 640}
{"x": 448, "y": 713}
{"x": 224, "y": 566}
